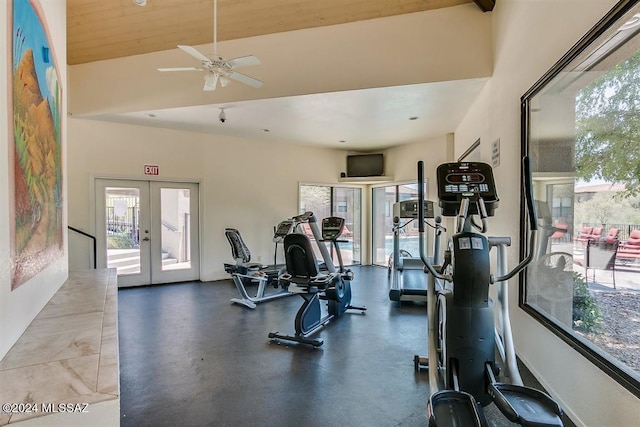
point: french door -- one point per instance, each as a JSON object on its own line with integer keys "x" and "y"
{"x": 148, "y": 230}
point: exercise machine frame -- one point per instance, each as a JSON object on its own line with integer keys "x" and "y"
{"x": 462, "y": 329}
{"x": 306, "y": 280}
{"x": 406, "y": 279}
{"x": 244, "y": 272}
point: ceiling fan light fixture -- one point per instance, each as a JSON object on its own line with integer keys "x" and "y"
{"x": 216, "y": 68}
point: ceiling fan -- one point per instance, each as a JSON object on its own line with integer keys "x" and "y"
{"x": 217, "y": 68}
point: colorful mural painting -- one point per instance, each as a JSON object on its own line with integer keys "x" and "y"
{"x": 35, "y": 157}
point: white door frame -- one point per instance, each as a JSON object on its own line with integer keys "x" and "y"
{"x": 196, "y": 215}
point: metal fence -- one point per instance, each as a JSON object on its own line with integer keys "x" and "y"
{"x": 126, "y": 225}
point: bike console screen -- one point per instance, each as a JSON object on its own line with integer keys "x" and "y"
{"x": 466, "y": 180}
{"x": 332, "y": 227}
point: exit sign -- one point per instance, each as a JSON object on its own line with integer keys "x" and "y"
{"x": 151, "y": 169}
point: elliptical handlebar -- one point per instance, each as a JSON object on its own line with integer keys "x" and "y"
{"x": 423, "y": 255}
{"x": 463, "y": 212}
{"x": 533, "y": 222}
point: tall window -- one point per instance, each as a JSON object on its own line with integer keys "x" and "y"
{"x": 382, "y": 199}
{"x": 582, "y": 130}
{"x": 345, "y": 202}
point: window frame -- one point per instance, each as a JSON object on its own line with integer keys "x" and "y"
{"x": 332, "y": 211}
{"x": 582, "y": 346}
{"x": 396, "y": 186}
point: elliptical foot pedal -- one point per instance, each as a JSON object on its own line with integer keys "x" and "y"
{"x": 526, "y": 406}
{"x": 450, "y": 408}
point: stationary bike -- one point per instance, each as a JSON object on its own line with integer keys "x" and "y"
{"x": 462, "y": 332}
{"x": 305, "y": 279}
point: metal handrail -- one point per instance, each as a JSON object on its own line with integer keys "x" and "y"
{"x": 95, "y": 244}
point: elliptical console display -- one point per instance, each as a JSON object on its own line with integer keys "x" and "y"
{"x": 466, "y": 180}
{"x": 332, "y": 227}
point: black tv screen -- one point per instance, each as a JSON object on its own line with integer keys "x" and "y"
{"x": 365, "y": 165}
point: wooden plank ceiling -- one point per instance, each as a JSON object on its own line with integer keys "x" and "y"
{"x": 100, "y": 29}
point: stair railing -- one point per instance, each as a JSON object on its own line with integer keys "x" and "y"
{"x": 95, "y": 244}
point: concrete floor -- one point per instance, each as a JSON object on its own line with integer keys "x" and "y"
{"x": 189, "y": 357}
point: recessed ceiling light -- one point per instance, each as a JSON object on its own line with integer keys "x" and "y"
{"x": 413, "y": 118}
{"x": 140, "y": 2}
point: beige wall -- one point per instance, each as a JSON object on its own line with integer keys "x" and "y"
{"x": 249, "y": 185}
{"x": 530, "y": 36}
{"x": 19, "y": 307}
{"x": 252, "y": 186}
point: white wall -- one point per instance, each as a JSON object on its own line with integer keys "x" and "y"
{"x": 18, "y": 308}
{"x": 253, "y": 185}
{"x": 530, "y": 36}
{"x": 249, "y": 185}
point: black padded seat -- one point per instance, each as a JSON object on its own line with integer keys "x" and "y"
{"x": 302, "y": 266}
{"x": 239, "y": 250}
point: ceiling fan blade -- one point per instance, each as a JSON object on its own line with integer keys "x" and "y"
{"x": 245, "y": 79}
{"x": 194, "y": 52}
{"x": 180, "y": 69}
{"x": 244, "y": 61}
{"x": 210, "y": 81}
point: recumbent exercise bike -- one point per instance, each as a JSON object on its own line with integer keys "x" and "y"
{"x": 463, "y": 336}
{"x": 306, "y": 279}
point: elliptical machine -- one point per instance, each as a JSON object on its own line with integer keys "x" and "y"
{"x": 305, "y": 278}
{"x": 462, "y": 331}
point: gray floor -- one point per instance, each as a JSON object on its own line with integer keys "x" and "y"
{"x": 188, "y": 357}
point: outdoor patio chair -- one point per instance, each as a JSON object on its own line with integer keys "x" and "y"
{"x": 612, "y": 235}
{"x": 560, "y": 232}
{"x": 630, "y": 250}
{"x": 596, "y": 234}
{"x": 584, "y": 235}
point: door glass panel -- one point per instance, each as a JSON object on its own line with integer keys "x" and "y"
{"x": 123, "y": 230}
{"x": 175, "y": 234}
{"x": 408, "y": 236}
{"x": 347, "y": 204}
{"x": 382, "y": 201}
{"x": 317, "y": 199}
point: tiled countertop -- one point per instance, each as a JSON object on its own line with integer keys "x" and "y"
{"x": 69, "y": 353}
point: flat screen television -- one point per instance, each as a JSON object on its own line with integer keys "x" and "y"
{"x": 362, "y": 165}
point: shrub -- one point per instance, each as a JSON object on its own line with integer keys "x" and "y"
{"x": 118, "y": 241}
{"x": 586, "y": 314}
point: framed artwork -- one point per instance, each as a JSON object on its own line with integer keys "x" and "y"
{"x": 35, "y": 156}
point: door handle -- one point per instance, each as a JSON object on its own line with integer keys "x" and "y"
{"x": 146, "y": 239}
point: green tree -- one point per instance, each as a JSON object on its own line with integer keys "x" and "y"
{"x": 607, "y": 207}
{"x": 608, "y": 125}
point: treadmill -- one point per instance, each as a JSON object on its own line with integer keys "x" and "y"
{"x": 408, "y": 281}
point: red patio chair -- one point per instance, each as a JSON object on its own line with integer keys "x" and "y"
{"x": 585, "y": 234}
{"x": 630, "y": 250}
{"x": 596, "y": 233}
{"x": 612, "y": 235}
